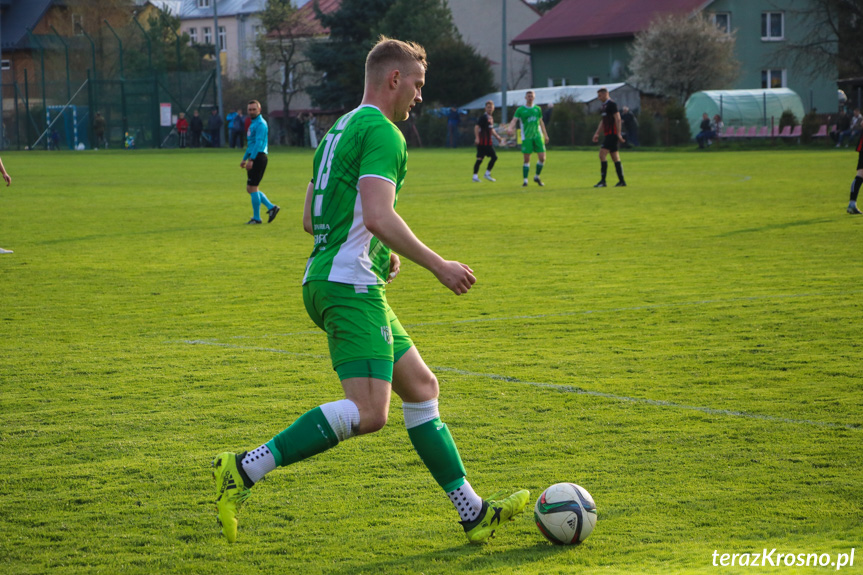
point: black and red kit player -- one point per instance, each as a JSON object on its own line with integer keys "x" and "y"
{"x": 483, "y": 133}
{"x": 609, "y": 125}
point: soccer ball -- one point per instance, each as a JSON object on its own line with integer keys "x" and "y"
{"x": 565, "y": 513}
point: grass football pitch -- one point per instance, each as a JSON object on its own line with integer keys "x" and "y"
{"x": 687, "y": 348}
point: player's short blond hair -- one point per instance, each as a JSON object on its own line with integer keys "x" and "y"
{"x": 389, "y": 54}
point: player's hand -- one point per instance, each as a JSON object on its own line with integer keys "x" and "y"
{"x": 8, "y": 179}
{"x": 476, "y": 141}
{"x": 249, "y": 165}
{"x": 621, "y": 138}
{"x": 546, "y": 138}
{"x": 596, "y": 137}
{"x": 395, "y": 267}
{"x": 458, "y": 277}
{"x": 243, "y": 164}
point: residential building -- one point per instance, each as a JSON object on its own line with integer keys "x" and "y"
{"x": 578, "y": 42}
{"x": 480, "y": 23}
{"x": 239, "y": 27}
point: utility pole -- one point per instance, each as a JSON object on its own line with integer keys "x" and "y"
{"x": 218, "y": 62}
{"x": 503, "y": 65}
{"x": 2, "y": 125}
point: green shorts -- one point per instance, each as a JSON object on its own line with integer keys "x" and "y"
{"x": 363, "y": 332}
{"x": 531, "y": 145}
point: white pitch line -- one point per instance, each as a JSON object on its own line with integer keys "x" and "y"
{"x": 566, "y": 389}
{"x": 656, "y": 402}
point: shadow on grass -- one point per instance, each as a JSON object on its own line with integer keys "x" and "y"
{"x": 468, "y": 558}
{"x": 777, "y": 227}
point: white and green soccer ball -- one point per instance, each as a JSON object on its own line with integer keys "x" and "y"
{"x": 565, "y": 514}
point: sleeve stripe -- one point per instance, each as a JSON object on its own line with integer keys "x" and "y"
{"x": 376, "y": 176}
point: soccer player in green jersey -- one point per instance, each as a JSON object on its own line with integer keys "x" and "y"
{"x": 359, "y": 168}
{"x": 533, "y": 135}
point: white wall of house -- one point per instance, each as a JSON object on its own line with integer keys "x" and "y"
{"x": 480, "y": 24}
{"x": 239, "y": 52}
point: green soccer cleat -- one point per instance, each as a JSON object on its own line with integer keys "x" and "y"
{"x": 231, "y": 492}
{"x": 493, "y": 514}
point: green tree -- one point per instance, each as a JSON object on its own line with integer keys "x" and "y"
{"x": 169, "y": 49}
{"x": 340, "y": 60}
{"x": 457, "y": 72}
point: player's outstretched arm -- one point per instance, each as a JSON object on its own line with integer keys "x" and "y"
{"x": 510, "y": 128}
{"x": 377, "y": 197}
{"x": 307, "y": 210}
{"x": 6, "y": 177}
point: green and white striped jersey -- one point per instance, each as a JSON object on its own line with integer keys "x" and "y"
{"x": 529, "y": 118}
{"x": 362, "y": 144}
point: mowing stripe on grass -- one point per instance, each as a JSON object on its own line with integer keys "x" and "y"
{"x": 250, "y": 348}
{"x": 565, "y": 389}
{"x": 634, "y": 308}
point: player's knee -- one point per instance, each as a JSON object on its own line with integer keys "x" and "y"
{"x": 430, "y": 386}
{"x": 371, "y": 422}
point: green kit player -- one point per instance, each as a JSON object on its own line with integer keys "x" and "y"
{"x": 359, "y": 168}
{"x": 534, "y": 136}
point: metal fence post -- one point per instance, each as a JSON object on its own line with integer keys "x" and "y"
{"x": 42, "y": 65}
{"x": 66, "y": 48}
{"x": 125, "y": 119}
{"x": 95, "y": 101}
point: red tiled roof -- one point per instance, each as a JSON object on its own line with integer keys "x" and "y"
{"x": 307, "y": 23}
{"x": 585, "y": 19}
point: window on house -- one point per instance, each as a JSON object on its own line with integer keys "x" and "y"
{"x": 560, "y": 81}
{"x": 773, "y": 79}
{"x": 208, "y": 35}
{"x": 593, "y": 80}
{"x": 259, "y": 30}
{"x": 193, "y": 35}
{"x": 5, "y": 65}
{"x": 223, "y": 39}
{"x": 772, "y": 25}
{"x": 203, "y": 3}
{"x": 723, "y": 21}
{"x": 77, "y": 24}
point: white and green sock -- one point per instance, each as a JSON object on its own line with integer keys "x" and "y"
{"x": 466, "y": 501}
{"x": 315, "y": 431}
{"x": 434, "y": 444}
{"x": 258, "y": 463}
